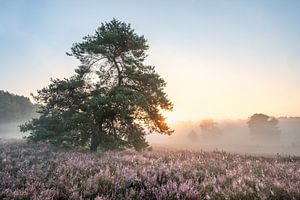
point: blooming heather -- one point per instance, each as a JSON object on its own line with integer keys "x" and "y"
{"x": 35, "y": 171}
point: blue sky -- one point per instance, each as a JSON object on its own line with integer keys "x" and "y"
{"x": 221, "y": 59}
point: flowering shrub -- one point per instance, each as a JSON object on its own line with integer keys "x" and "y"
{"x": 34, "y": 171}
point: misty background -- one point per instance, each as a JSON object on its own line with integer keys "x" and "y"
{"x": 14, "y": 111}
{"x": 266, "y": 134}
{"x": 234, "y": 136}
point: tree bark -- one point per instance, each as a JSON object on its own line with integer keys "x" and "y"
{"x": 119, "y": 73}
{"x": 96, "y": 138}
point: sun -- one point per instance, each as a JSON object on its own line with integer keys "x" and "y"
{"x": 171, "y": 118}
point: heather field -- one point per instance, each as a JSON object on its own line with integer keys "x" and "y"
{"x": 30, "y": 171}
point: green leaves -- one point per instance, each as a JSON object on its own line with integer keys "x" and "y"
{"x": 110, "y": 41}
{"x": 112, "y": 98}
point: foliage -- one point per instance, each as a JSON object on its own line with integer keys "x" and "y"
{"x": 210, "y": 129}
{"x": 35, "y": 171}
{"x": 14, "y": 107}
{"x": 263, "y": 126}
{"x": 113, "y": 100}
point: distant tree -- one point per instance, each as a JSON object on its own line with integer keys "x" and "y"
{"x": 193, "y": 136}
{"x": 113, "y": 100}
{"x": 15, "y": 107}
{"x": 210, "y": 129}
{"x": 262, "y": 125}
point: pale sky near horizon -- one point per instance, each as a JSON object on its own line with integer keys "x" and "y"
{"x": 221, "y": 59}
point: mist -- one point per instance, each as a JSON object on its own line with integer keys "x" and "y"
{"x": 10, "y": 130}
{"x": 233, "y": 136}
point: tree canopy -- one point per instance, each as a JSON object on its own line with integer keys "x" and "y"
{"x": 210, "y": 129}
{"x": 112, "y": 100}
{"x": 15, "y": 107}
{"x": 262, "y": 125}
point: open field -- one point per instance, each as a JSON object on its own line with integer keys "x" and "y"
{"x": 39, "y": 172}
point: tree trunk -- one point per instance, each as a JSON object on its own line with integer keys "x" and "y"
{"x": 119, "y": 73}
{"x": 96, "y": 138}
{"x": 94, "y": 142}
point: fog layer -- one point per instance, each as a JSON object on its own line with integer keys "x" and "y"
{"x": 233, "y": 136}
{"x": 10, "y": 130}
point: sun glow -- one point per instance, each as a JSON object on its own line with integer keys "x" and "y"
{"x": 170, "y": 116}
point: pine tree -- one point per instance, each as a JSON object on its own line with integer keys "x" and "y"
{"x": 113, "y": 100}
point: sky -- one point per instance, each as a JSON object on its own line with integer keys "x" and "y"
{"x": 220, "y": 59}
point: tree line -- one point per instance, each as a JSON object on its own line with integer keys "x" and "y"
{"x": 261, "y": 126}
{"x": 14, "y": 107}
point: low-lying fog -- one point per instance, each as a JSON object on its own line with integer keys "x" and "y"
{"x": 11, "y": 130}
{"x": 233, "y": 136}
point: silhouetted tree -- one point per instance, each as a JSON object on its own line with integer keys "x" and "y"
{"x": 262, "y": 126}
{"x": 113, "y": 100}
{"x": 193, "y": 136}
{"x": 210, "y": 129}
